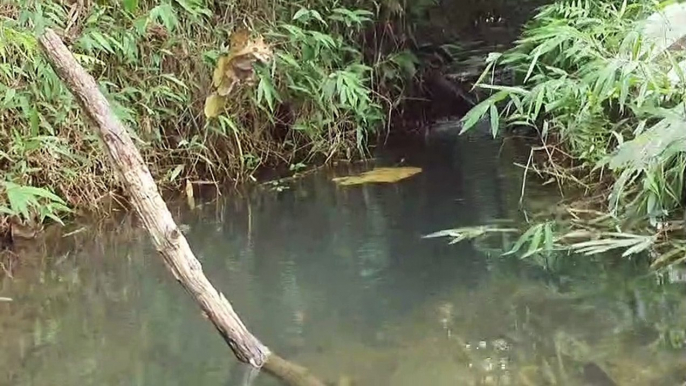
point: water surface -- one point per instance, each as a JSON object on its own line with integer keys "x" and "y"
{"x": 341, "y": 280}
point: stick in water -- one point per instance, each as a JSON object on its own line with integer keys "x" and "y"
{"x": 154, "y": 213}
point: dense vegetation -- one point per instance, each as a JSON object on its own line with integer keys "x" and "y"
{"x": 328, "y": 87}
{"x": 602, "y": 84}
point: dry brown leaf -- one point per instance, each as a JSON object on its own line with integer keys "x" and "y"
{"x": 227, "y": 84}
{"x": 239, "y": 39}
{"x": 236, "y": 68}
{"x": 214, "y": 104}
{"x": 222, "y": 65}
{"x": 379, "y": 175}
{"x": 189, "y": 195}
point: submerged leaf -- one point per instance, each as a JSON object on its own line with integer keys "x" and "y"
{"x": 631, "y": 243}
{"x": 379, "y": 175}
{"x": 468, "y": 233}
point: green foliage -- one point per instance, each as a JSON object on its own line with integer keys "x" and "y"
{"x": 469, "y": 233}
{"x": 322, "y": 72}
{"x": 154, "y": 62}
{"x": 605, "y": 81}
{"x": 31, "y": 204}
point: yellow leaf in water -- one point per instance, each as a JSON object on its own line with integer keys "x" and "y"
{"x": 379, "y": 175}
{"x": 214, "y": 105}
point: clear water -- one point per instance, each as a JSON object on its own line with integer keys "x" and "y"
{"x": 340, "y": 280}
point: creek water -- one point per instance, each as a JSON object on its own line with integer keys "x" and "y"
{"x": 339, "y": 279}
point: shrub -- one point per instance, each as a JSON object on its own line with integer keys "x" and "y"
{"x": 154, "y": 62}
{"x": 598, "y": 77}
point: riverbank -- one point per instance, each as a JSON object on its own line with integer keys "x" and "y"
{"x": 329, "y": 84}
{"x": 602, "y": 86}
{"x": 320, "y": 96}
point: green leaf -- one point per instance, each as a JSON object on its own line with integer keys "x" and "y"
{"x": 130, "y": 5}
{"x": 523, "y": 239}
{"x": 266, "y": 92}
{"x": 474, "y": 115}
{"x": 534, "y": 245}
{"x": 549, "y": 238}
{"x": 9, "y": 95}
{"x": 495, "y": 116}
{"x": 302, "y": 13}
{"x": 175, "y": 173}
{"x": 664, "y": 28}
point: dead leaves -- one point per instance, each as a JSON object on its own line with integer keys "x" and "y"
{"x": 214, "y": 104}
{"x": 379, "y": 175}
{"x": 236, "y": 68}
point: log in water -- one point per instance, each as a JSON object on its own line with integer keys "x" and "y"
{"x": 154, "y": 213}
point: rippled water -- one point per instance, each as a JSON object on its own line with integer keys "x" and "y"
{"x": 340, "y": 280}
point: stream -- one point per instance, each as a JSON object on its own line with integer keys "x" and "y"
{"x": 339, "y": 279}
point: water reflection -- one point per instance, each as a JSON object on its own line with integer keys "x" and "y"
{"x": 340, "y": 280}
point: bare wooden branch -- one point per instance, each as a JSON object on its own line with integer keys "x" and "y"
{"x": 145, "y": 198}
{"x": 169, "y": 241}
{"x": 290, "y": 372}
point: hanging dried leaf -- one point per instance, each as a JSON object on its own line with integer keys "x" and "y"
{"x": 214, "y": 104}
{"x": 222, "y": 66}
{"x": 239, "y": 39}
{"x": 379, "y": 175}
{"x": 227, "y": 84}
{"x": 236, "y": 68}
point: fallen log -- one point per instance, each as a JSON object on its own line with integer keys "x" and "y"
{"x": 172, "y": 246}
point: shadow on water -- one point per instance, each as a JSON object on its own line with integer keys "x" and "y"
{"x": 340, "y": 280}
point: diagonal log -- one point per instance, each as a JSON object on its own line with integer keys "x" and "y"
{"x": 151, "y": 208}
